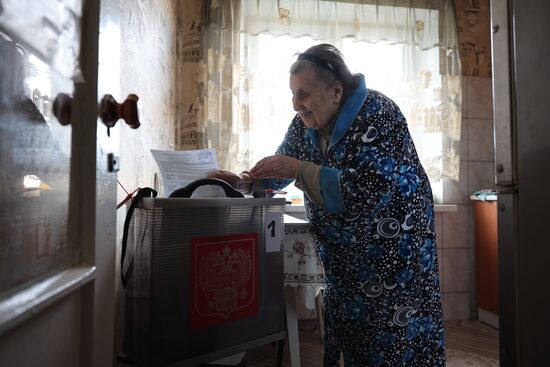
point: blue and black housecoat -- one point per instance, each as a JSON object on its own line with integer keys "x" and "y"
{"x": 375, "y": 237}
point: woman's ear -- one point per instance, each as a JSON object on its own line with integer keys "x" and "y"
{"x": 338, "y": 90}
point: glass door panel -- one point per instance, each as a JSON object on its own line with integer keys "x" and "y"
{"x": 35, "y": 152}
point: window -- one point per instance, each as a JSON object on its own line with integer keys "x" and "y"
{"x": 408, "y": 53}
{"x": 381, "y": 63}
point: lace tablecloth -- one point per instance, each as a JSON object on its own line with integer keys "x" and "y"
{"x": 302, "y": 266}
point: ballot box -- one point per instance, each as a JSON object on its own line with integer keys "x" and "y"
{"x": 205, "y": 279}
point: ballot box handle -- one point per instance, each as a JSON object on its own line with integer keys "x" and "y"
{"x": 142, "y": 193}
{"x": 187, "y": 191}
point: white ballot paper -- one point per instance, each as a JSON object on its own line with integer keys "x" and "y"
{"x": 179, "y": 168}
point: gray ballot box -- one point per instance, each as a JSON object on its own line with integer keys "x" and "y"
{"x": 205, "y": 279}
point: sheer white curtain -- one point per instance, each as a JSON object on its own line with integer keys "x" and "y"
{"x": 408, "y": 50}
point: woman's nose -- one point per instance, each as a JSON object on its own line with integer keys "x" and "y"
{"x": 296, "y": 104}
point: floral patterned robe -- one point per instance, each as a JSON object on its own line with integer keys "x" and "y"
{"x": 375, "y": 237}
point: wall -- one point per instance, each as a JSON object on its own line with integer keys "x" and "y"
{"x": 160, "y": 62}
{"x": 190, "y": 89}
{"x": 455, "y": 229}
{"x": 160, "y": 54}
{"x": 148, "y": 69}
{"x": 149, "y": 62}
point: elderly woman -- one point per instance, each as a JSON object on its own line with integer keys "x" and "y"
{"x": 370, "y": 204}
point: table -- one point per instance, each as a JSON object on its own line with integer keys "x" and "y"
{"x": 304, "y": 277}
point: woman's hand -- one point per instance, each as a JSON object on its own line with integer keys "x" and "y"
{"x": 227, "y": 176}
{"x": 276, "y": 166}
{"x": 242, "y": 182}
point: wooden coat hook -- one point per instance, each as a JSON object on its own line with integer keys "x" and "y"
{"x": 110, "y": 111}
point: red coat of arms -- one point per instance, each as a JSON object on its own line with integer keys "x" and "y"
{"x": 224, "y": 279}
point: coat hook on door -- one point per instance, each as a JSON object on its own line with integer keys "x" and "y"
{"x": 110, "y": 111}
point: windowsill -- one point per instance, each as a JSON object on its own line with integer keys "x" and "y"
{"x": 445, "y": 207}
{"x": 295, "y": 208}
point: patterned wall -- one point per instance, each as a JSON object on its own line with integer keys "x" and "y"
{"x": 473, "y": 19}
{"x": 474, "y": 35}
{"x": 158, "y": 49}
{"x": 161, "y": 62}
{"x": 455, "y": 229}
{"x": 190, "y": 89}
{"x": 160, "y": 54}
{"x": 148, "y": 69}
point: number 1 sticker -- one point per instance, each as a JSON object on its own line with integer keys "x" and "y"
{"x": 273, "y": 232}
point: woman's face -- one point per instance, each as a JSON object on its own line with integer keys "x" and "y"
{"x": 316, "y": 103}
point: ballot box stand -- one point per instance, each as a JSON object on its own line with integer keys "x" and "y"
{"x": 201, "y": 283}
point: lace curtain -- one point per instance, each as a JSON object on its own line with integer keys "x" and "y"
{"x": 248, "y": 47}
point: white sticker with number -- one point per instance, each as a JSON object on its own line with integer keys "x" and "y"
{"x": 273, "y": 232}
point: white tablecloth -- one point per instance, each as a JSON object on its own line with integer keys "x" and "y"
{"x": 302, "y": 266}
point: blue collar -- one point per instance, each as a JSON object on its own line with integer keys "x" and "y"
{"x": 347, "y": 115}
